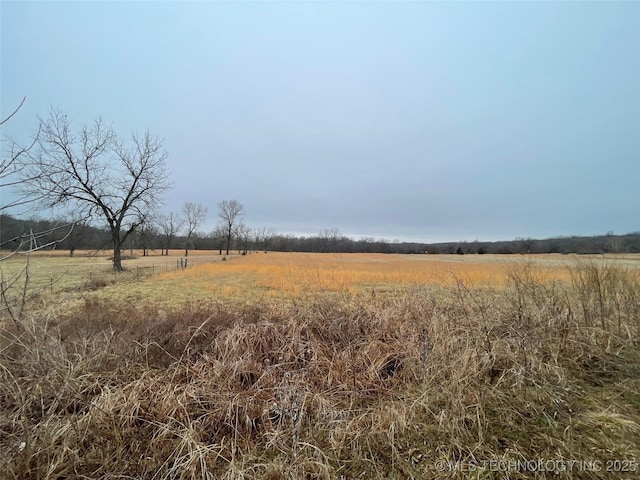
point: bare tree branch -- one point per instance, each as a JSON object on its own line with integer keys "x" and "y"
{"x": 14, "y": 112}
{"x": 8, "y": 166}
{"x": 15, "y": 290}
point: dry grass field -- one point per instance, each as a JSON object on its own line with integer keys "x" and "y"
{"x": 54, "y": 272}
{"x": 305, "y": 366}
{"x": 284, "y": 276}
{"x": 296, "y": 273}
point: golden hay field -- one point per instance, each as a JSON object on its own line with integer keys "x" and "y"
{"x": 287, "y": 275}
{"x": 275, "y": 274}
{"x": 300, "y": 272}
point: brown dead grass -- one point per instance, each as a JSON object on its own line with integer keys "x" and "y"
{"x": 329, "y": 385}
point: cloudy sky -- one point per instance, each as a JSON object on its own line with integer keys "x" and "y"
{"x": 422, "y": 121}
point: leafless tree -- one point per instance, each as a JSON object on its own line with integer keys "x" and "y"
{"x": 79, "y": 231}
{"x": 218, "y": 235}
{"x": 194, "y": 214}
{"x": 169, "y": 226}
{"x": 328, "y": 239}
{"x": 230, "y": 212}
{"x": 97, "y": 174}
{"x": 145, "y": 232}
{"x": 244, "y": 237}
{"x": 263, "y": 237}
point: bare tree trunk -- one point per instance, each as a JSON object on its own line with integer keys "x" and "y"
{"x": 228, "y": 239}
{"x": 117, "y": 257}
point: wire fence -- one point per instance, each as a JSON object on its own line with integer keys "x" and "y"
{"x": 137, "y": 272}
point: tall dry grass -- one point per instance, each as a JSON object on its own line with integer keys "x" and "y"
{"x": 329, "y": 385}
{"x": 279, "y": 276}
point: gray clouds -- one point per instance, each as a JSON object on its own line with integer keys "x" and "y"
{"x": 424, "y": 121}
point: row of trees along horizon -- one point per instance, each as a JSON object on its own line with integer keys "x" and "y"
{"x": 153, "y": 238}
{"x": 114, "y": 188}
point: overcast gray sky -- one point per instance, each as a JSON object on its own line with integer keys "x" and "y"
{"x": 426, "y": 121}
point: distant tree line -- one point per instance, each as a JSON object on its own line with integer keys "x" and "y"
{"x": 597, "y": 244}
{"x": 151, "y": 236}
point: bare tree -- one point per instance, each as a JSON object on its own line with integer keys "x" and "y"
{"x": 230, "y": 211}
{"x": 328, "y": 239}
{"x": 194, "y": 214}
{"x": 78, "y": 233}
{"x": 169, "y": 226}
{"x": 97, "y": 174}
{"x": 218, "y": 235}
{"x": 244, "y": 236}
{"x": 145, "y": 232}
{"x": 263, "y": 237}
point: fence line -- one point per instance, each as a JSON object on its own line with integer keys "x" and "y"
{"x": 137, "y": 272}
{"x": 22, "y": 282}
